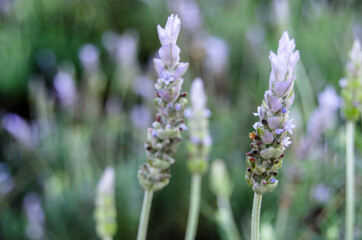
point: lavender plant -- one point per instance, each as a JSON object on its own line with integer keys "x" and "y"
{"x": 199, "y": 148}
{"x": 352, "y": 95}
{"x": 105, "y": 212}
{"x": 165, "y": 135}
{"x": 269, "y": 140}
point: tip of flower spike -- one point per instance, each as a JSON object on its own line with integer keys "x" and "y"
{"x": 356, "y": 52}
{"x": 106, "y": 184}
{"x": 198, "y": 97}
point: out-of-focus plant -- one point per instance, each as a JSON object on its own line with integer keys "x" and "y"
{"x": 270, "y": 135}
{"x": 321, "y": 120}
{"x": 199, "y": 148}
{"x": 352, "y": 95}
{"x": 221, "y": 186}
{"x": 105, "y": 212}
{"x": 165, "y": 135}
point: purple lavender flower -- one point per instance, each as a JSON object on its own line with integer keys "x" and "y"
{"x": 165, "y": 135}
{"x": 270, "y": 137}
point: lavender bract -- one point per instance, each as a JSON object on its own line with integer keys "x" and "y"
{"x": 165, "y": 135}
{"x": 269, "y": 140}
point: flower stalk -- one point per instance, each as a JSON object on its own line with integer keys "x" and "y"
{"x": 350, "y": 181}
{"x": 164, "y": 136}
{"x": 194, "y": 207}
{"x": 255, "y": 217}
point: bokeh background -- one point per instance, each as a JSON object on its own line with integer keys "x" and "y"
{"x": 76, "y": 95}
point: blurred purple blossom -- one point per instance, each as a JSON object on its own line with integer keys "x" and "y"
{"x": 35, "y": 216}
{"x": 321, "y": 193}
{"x": 20, "y": 129}
{"x": 217, "y": 55}
{"x": 189, "y": 12}
{"x": 322, "y": 119}
{"x": 122, "y": 48}
{"x": 65, "y": 88}
{"x": 89, "y": 57}
{"x": 141, "y": 117}
{"x": 143, "y": 86}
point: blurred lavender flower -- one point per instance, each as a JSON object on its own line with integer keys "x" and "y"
{"x": 217, "y": 55}
{"x": 7, "y": 183}
{"x": 281, "y": 13}
{"x": 321, "y": 193}
{"x": 200, "y": 139}
{"x": 89, "y": 57}
{"x": 122, "y": 48}
{"x": 270, "y": 137}
{"x": 141, "y": 117}
{"x": 352, "y": 84}
{"x": 105, "y": 212}
{"x": 35, "y": 216}
{"x": 143, "y": 85}
{"x": 189, "y": 11}
{"x": 255, "y": 35}
{"x": 65, "y": 88}
{"x": 20, "y": 129}
{"x": 165, "y": 135}
{"x": 321, "y": 120}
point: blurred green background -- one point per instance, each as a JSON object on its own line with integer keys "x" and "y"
{"x": 52, "y": 156}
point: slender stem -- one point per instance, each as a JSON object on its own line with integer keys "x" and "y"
{"x": 146, "y": 207}
{"x": 194, "y": 207}
{"x": 255, "y": 217}
{"x": 350, "y": 181}
{"x": 226, "y": 218}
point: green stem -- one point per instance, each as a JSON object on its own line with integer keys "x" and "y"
{"x": 226, "y": 218}
{"x": 194, "y": 207}
{"x": 255, "y": 217}
{"x": 350, "y": 181}
{"x": 146, "y": 207}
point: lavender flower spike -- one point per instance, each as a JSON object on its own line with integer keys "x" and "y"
{"x": 165, "y": 135}
{"x": 352, "y": 84}
{"x": 105, "y": 212}
{"x": 200, "y": 139}
{"x": 270, "y": 137}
